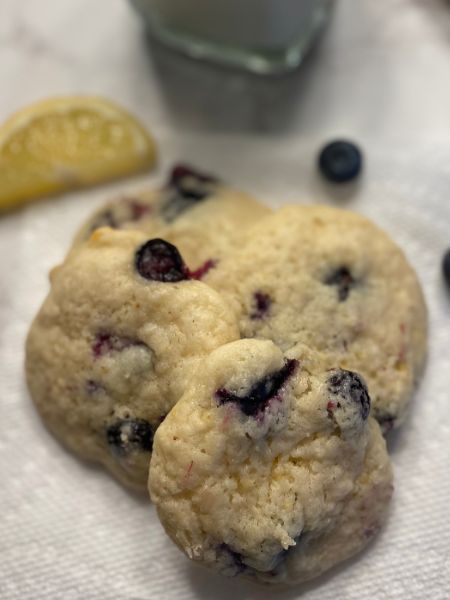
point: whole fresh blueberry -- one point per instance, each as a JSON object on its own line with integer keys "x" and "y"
{"x": 340, "y": 161}
{"x": 130, "y": 435}
{"x": 158, "y": 260}
{"x": 446, "y": 266}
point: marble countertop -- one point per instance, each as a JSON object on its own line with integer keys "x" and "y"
{"x": 380, "y": 71}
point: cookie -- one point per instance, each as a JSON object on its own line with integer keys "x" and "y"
{"x": 269, "y": 467}
{"x": 112, "y": 347}
{"x": 193, "y": 211}
{"x": 334, "y": 281}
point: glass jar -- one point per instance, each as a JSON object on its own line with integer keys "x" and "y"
{"x": 263, "y": 36}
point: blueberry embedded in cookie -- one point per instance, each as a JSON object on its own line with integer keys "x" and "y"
{"x": 278, "y": 498}
{"x": 343, "y": 280}
{"x": 128, "y": 435}
{"x": 186, "y": 186}
{"x": 159, "y": 260}
{"x": 262, "y": 302}
{"x": 262, "y": 392}
{"x": 347, "y": 392}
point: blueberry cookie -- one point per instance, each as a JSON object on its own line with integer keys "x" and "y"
{"x": 112, "y": 347}
{"x": 269, "y": 467}
{"x": 332, "y": 280}
{"x": 193, "y": 211}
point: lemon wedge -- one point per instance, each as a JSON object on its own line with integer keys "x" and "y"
{"x": 68, "y": 142}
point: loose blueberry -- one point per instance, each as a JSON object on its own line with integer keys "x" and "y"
{"x": 349, "y": 385}
{"x": 340, "y": 161}
{"x": 105, "y": 343}
{"x": 158, "y": 260}
{"x": 185, "y": 188}
{"x": 130, "y": 435}
{"x": 343, "y": 280}
{"x": 446, "y": 266}
{"x": 261, "y": 393}
{"x": 261, "y": 303}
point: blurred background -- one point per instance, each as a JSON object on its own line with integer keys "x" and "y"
{"x": 379, "y": 69}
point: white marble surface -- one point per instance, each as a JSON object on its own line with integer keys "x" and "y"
{"x": 380, "y": 75}
{"x": 382, "y": 70}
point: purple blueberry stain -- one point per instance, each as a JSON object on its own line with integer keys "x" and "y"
{"x": 261, "y": 393}
{"x": 203, "y": 269}
{"x": 348, "y": 386}
{"x": 157, "y": 260}
{"x": 343, "y": 280}
{"x": 126, "y": 436}
{"x": 261, "y": 305}
{"x": 106, "y": 343}
{"x": 185, "y": 188}
{"x": 138, "y": 210}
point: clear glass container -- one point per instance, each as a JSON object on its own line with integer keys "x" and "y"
{"x": 263, "y": 36}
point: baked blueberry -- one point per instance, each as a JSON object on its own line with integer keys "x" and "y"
{"x": 235, "y": 557}
{"x": 261, "y": 302}
{"x": 190, "y": 183}
{"x": 158, "y": 260}
{"x": 185, "y": 187}
{"x": 343, "y": 280}
{"x": 108, "y": 342}
{"x": 261, "y": 393}
{"x": 340, "y": 161}
{"x": 446, "y": 266}
{"x": 130, "y": 435}
{"x": 349, "y": 385}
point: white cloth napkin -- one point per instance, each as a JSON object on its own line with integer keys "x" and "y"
{"x": 67, "y": 530}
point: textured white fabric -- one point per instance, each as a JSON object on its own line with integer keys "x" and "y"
{"x": 66, "y": 529}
